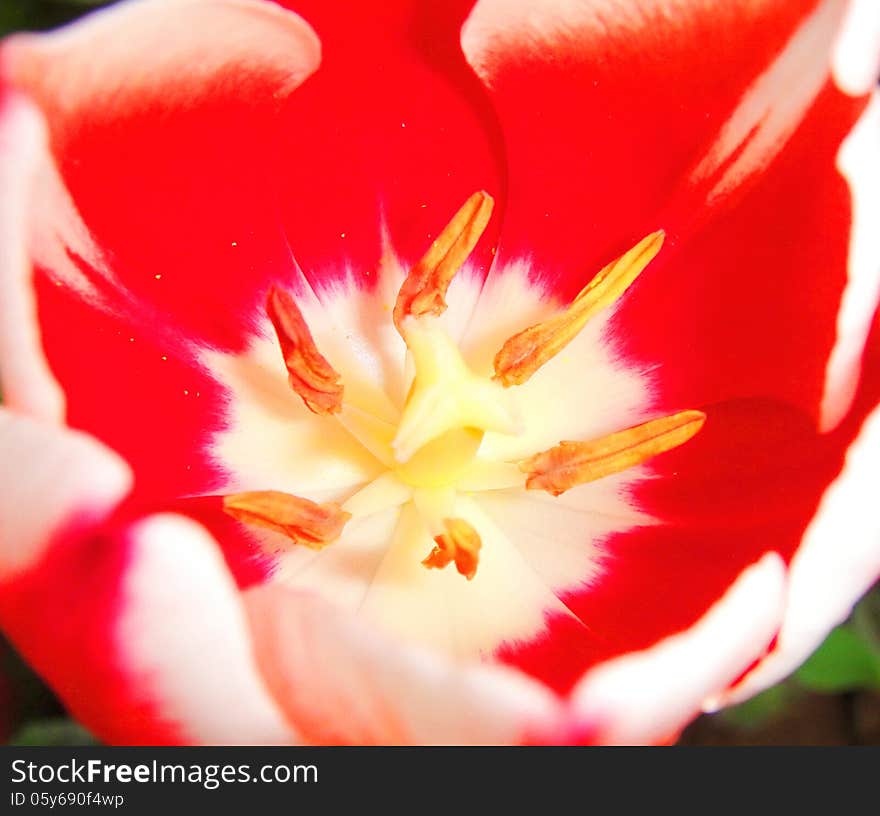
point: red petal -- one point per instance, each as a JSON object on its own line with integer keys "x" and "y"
{"x": 647, "y": 696}
{"x": 161, "y": 164}
{"x": 55, "y": 481}
{"x": 751, "y": 482}
{"x": 120, "y": 622}
{"x": 747, "y": 304}
{"x": 619, "y": 120}
{"x": 838, "y": 558}
{"x": 211, "y": 178}
{"x": 393, "y": 131}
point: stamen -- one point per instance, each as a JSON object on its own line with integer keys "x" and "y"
{"x": 303, "y": 521}
{"x": 424, "y": 290}
{"x": 524, "y": 353}
{"x": 460, "y": 543}
{"x": 310, "y": 375}
{"x": 574, "y": 463}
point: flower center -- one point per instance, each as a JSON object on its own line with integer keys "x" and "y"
{"x": 447, "y": 411}
{"x": 433, "y": 453}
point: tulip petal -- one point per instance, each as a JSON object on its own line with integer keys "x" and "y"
{"x": 254, "y": 177}
{"x": 130, "y": 121}
{"x": 91, "y": 82}
{"x": 623, "y": 122}
{"x": 691, "y": 520}
{"x": 839, "y": 557}
{"x": 648, "y": 696}
{"x": 340, "y": 683}
{"x": 407, "y": 136}
{"x": 28, "y": 384}
{"x": 856, "y": 56}
{"x": 166, "y": 629}
{"x": 55, "y": 480}
{"x": 859, "y": 162}
{"x": 140, "y": 630}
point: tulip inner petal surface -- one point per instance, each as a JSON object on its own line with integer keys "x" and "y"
{"x": 409, "y": 469}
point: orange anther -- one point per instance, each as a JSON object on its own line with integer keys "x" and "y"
{"x": 310, "y": 375}
{"x": 424, "y": 289}
{"x": 524, "y": 353}
{"x": 574, "y": 463}
{"x": 460, "y": 543}
{"x": 301, "y": 520}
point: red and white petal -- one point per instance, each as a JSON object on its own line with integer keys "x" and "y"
{"x": 606, "y": 107}
{"x": 732, "y": 152}
{"x": 837, "y": 561}
{"x": 720, "y": 309}
{"x": 746, "y": 485}
{"x": 183, "y": 638}
{"x": 856, "y": 57}
{"x": 28, "y": 384}
{"x": 858, "y": 160}
{"x": 409, "y": 135}
{"x": 133, "y": 127}
{"x": 140, "y": 630}
{"x": 648, "y": 696}
{"x": 56, "y": 481}
{"x": 110, "y": 89}
{"x": 341, "y": 683}
{"x": 233, "y": 171}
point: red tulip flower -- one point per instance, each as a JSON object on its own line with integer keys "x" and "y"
{"x": 414, "y": 372}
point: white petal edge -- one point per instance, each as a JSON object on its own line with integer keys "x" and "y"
{"x": 855, "y": 61}
{"x": 28, "y": 384}
{"x": 773, "y": 105}
{"x": 183, "y": 637}
{"x": 143, "y": 45}
{"x": 837, "y": 562}
{"x": 645, "y": 697}
{"x": 858, "y": 160}
{"x": 51, "y": 476}
{"x": 341, "y": 682}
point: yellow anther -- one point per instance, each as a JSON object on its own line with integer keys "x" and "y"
{"x": 574, "y": 463}
{"x": 309, "y": 373}
{"x": 301, "y": 520}
{"x": 424, "y": 290}
{"x": 524, "y": 353}
{"x": 460, "y": 543}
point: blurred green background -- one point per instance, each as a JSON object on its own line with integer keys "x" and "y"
{"x": 834, "y": 699}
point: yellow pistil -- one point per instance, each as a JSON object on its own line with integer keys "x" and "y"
{"x": 460, "y": 543}
{"x": 446, "y": 397}
{"x": 309, "y": 373}
{"x": 424, "y": 290}
{"x": 448, "y": 408}
{"x": 570, "y": 464}
{"x": 301, "y": 520}
{"x": 524, "y": 353}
